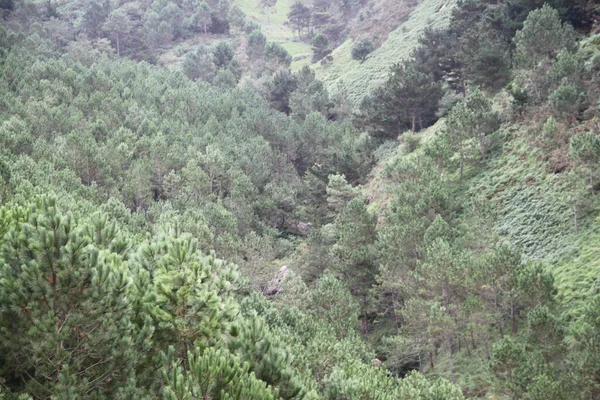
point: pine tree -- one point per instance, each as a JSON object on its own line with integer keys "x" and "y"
{"x": 203, "y": 15}
{"x": 585, "y": 149}
{"x": 266, "y": 357}
{"x": 339, "y": 193}
{"x": 256, "y": 44}
{"x": 268, "y": 5}
{"x": 222, "y": 55}
{"x": 192, "y": 295}
{"x": 567, "y": 101}
{"x": 472, "y": 118}
{"x": 320, "y": 47}
{"x": 299, "y": 17}
{"x": 118, "y": 25}
{"x": 66, "y": 307}
{"x": 212, "y": 374}
{"x": 331, "y": 301}
{"x": 538, "y": 44}
{"x": 542, "y": 38}
{"x": 355, "y": 228}
{"x": 408, "y": 100}
{"x": 361, "y": 49}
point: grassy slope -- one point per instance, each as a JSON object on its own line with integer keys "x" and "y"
{"x": 358, "y": 79}
{"x": 533, "y": 214}
{"x": 532, "y": 205}
{"x": 276, "y": 30}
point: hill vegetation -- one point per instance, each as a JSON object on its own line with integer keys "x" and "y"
{"x": 355, "y": 79}
{"x": 187, "y": 210}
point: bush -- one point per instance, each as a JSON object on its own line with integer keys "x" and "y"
{"x": 320, "y": 47}
{"x": 362, "y": 48}
{"x": 222, "y": 55}
{"x": 251, "y": 26}
{"x": 275, "y": 51}
{"x": 256, "y": 44}
{"x": 411, "y": 141}
{"x": 567, "y": 101}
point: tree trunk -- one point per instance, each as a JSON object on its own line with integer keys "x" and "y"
{"x": 451, "y": 355}
{"x": 462, "y": 165}
{"x": 118, "y": 47}
{"x": 513, "y": 319}
{"x": 397, "y": 323}
{"x": 366, "y": 321}
{"x": 575, "y": 219}
{"x": 487, "y": 351}
{"x": 482, "y": 146}
{"x": 467, "y": 346}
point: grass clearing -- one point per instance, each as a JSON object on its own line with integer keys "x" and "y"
{"x": 276, "y": 30}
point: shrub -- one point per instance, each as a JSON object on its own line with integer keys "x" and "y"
{"x": 362, "y": 48}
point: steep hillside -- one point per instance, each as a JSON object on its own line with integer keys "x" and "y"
{"x": 357, "y": 78}
{"x": 532, "y": 206}
{"x": 183, "y": 215}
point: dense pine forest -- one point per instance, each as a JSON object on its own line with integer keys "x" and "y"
{"x": 311, "y": 199}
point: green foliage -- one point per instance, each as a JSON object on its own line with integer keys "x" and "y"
{"x": 251, "y": 26}
{"x": 7, "y": 5}
{"x": 299, "y": 17}
{"x": 70, "y": 296}
{"x": 283, "y": 84}
{"x": 436, "y": 55}
{"x": 355, "y": 246}
{"x": 114, "y": 289}
{"x": 409, "y": 100}
{"x": 256, "y": 44}
{"x": 585, "y": 150}
{"x": 275, "y": 51}
{"x": 237, "y": 17}
{"x": 332, "y": 303}
{"x": 362, "y": 48}
{"x": 320, "y": 47}
{"x": 222, "y": 55}
{"x": 567, "y": 100}
{"x": 520, "y": 98}
{"x": 268, "y": 5}
{"x": 486, "y": 58}
{"x": 309, "y": 96}
{"x": 471, "y": 119}
{"x": 267, "y": 357}
{"x": 215, "y": 374}
{"x": 538, "y": 44}
{"x": 339, "y": 193}
{"x": 93, "y": 18}
{"x": 356, "y": 382}
{"x": 568, "y": 66}
{"x": 542, "y": 38}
